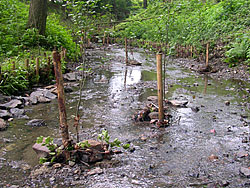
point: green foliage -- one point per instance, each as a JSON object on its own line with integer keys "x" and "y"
{"x": 84, "y": 145}
{"x": 193, "y": 23}
{"x": 239, "y": 49}
{"x": 14, "y": 83}
{"x": 104, "y": 137}
{"x": 49, "y": 143}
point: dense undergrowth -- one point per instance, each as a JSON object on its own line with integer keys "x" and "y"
{"x": 225, "y": 25}
{"x": 17, "y": 43}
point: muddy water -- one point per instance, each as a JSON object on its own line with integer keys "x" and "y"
{"x": 176, "y": 156}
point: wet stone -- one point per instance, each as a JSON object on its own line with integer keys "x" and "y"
{"x": 41, "y": 151}
{"x": 154, "y": 115}
{"x": 36, "y": 123}
{"x": 95, "y": 171}
{"x": 42, "y": 99}
{"x": 4, "y": 114}
{"x": 3, "y": 125}
{"x": 245, "y": 172}
{"x": 12, "y": 104}
{"x": 16, "y": 112}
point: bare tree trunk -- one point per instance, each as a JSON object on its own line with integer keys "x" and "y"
{"x": 145, "y": 3}
{"x": 38, "y": 15}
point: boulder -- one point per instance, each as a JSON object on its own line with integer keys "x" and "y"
{"x": 154, "y": 115}
{"x": 245, "y": 172}
{"x": 177, "y": 103}
{"x": 36, "y": 123}
{"x": 4, "y": 114}
{"x": 152, "y": 98}
{"x": 3, "y": 125}
{"x": 12, "y": 104}
{"x": 48, "y": 94}
{"x": 16, "y": 112}
{"x": 41, "y": 151}
{"x": 42, "y": 96}
{"x": 42, "y": 99}
{"x": 71, "y": 77}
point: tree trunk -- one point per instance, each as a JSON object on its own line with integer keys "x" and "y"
{"x": 145, "y": 3}
{"x": 38, "y": 15}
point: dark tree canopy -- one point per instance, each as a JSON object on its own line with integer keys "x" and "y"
{"x": 38, "y": 15}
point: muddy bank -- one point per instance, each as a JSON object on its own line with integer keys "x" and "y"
{"x": 218, "y": 69}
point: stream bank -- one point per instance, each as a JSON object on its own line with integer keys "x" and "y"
{"x": 208, "y": 147}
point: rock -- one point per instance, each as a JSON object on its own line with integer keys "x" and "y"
{"x": 41, "y": 151}
{"x": 49, "y": 95}
{"x": 42, "y": 99}
{"x": 33, "y": 100}
{"x": 12, "y": 104}
{"x": 68, "y": 89}
{"x": 71, "y": 163}
{"x": 57, "y": 165}
{"x": 36, "y": 123}
{"x": 224, "y": 183}
{"x": 154, "y": 115}
{"x": 227, "y": 103}
{"x": 52, "y": 179}
{"x": 3, "y": 125}
{"x": 152, "y": 98}
{"x": 4, "y": 114}
{"x": 242, "y": 154}
{"x": 176, "y": 103}
{"x": 95, "y": 145}
{"x": 16, "y": 112}
{"x": 94, "y": 171}
{"x": 195, "y": 109}
{"x": 245, "y": 172}
{"x": 42, "y": 96}
{"x": 73, "y": 76}
{"x": 213, "y": 157}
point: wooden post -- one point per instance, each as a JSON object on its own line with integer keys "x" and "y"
{"x": 103, "y": 40}
{"x": 126, "y": 50}
{"x": 207, "y": 54}
{"x": 62, "y": 53}
{"x": 61, "y": 99}
{"x": 191, "y": 52}
{"x": 48, "y": 65}
{"x": 26, "y": 64}
{"x": 159, "y": 86}
{"x": 13, "y": 65}
{"x": 0, "y": 72}
{"x": 37, "y": 67}
{"x": 108, "y": 40}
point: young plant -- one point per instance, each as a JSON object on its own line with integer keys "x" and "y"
{"x": 104, "y": 137}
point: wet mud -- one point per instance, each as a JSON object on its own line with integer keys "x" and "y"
{"x": 206, "y": 144}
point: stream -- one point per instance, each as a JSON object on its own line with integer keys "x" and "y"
{"x": 202, "y": 146}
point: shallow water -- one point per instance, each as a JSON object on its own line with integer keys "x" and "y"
{"x": 175, "y": 156}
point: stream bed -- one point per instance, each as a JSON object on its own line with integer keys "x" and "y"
{"x": 206, "y": 144}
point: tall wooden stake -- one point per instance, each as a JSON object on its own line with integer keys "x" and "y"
{"x": 126, "y": 51}
{"x": 191, "y": 51}
{"x": 207, "y": 54}
{"x": 37, "y": 68}
{"x": 61, "y": 99}
{"x": 0, "y": 72}
{"x": 159, "y": 86}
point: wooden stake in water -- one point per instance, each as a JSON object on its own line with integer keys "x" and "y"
{"x": 61, "y": 99}
{"x": 37, "y": 67}
{"x": 126, "y": 51}
{"x": 159, "y": 86}
{"x": 207, "y": 54}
